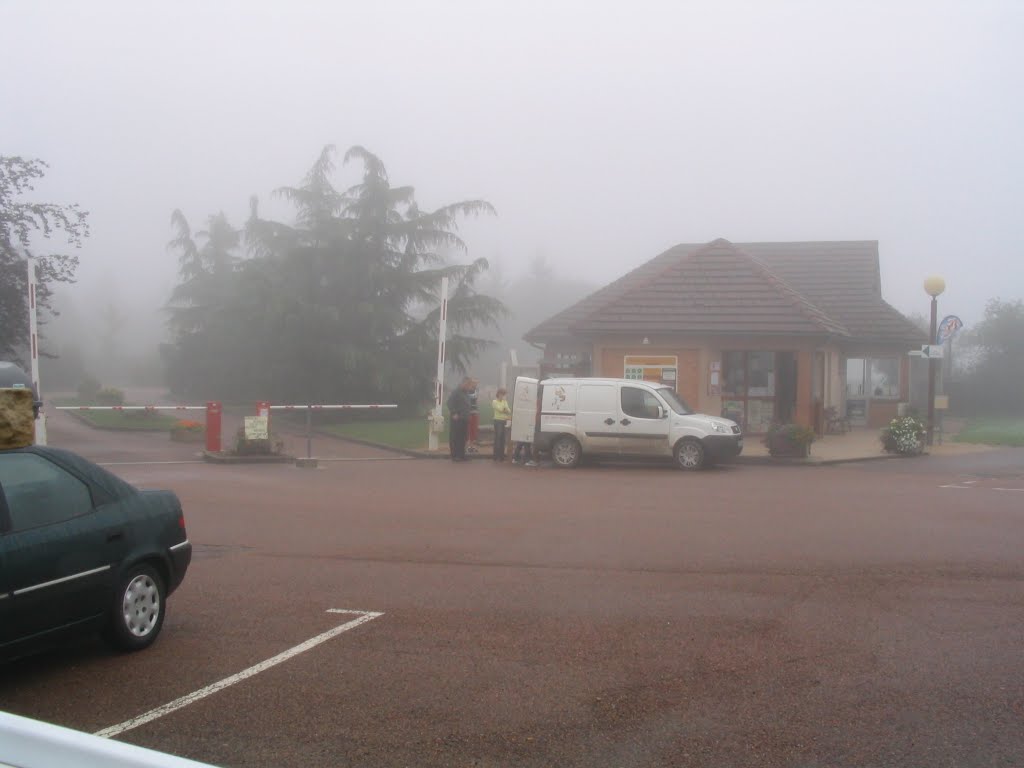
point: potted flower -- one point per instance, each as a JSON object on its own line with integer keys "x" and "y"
{"x": 789, "y": 440}
{"x": 187, "y": 431}
{"x": 904, "y": 435}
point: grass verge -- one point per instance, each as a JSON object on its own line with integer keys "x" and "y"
{"x": 131, "y": 421}
{"x": 408, "y": 434}
{"x": 993, "y": 432}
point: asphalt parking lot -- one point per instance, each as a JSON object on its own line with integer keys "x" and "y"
{"x": 855, "y": 615}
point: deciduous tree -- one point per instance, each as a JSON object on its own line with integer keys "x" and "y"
{"x": 25, "y": 228}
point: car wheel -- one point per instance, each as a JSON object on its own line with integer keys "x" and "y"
{"x": 690, "y": 455}
{"x": 138, "y": 610}
{"x": 566, "y": 452}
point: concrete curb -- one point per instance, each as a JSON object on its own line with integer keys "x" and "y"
{"x": 811, "y": 461}
{"x": 225, "y": 458}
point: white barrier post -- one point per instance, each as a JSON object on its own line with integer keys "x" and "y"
{"x": 309, "y": 431}
{"x": 33, "y": 325}
{"x": 438, "y": 415}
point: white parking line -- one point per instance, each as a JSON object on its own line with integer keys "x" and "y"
{"x": 1008, "y": 489}
{"x": 191, "y": 698}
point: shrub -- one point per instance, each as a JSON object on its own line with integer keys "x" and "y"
{"x": 259, "y": 447}
{"x": 88, "y": 389}
{"x": 904, "y": 435}
{"x": 187, "y": 425}
{"x": 788, "y": 438}
{"x": 110, "y": 396}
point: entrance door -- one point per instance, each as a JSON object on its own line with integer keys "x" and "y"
{"x": 785, "y": 391}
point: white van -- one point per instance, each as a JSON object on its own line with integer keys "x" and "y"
{"x": 627, "y": 418}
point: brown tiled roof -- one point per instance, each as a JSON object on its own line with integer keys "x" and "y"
{"x": 843, "y": 278}
{"x": 749, "y": 288}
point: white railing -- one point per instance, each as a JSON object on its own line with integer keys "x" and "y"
{"x": 27, "y": 743}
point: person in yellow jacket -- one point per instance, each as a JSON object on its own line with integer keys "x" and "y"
{"x": 502, "y": 417}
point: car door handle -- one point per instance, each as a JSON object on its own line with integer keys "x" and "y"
{"x": 116, "y": 536}
{"x": 625, "y": 422}
{"x": 609, "y": 421}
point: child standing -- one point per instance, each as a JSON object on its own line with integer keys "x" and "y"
{"x": 502, "y": 416}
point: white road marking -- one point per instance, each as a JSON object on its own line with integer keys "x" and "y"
{"x": 202, "y": 693}
{"x": 962, "y": 487}
{"x": 1008, "y": 489}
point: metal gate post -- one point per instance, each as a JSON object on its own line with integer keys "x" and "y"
{"x": 213, "y": 415}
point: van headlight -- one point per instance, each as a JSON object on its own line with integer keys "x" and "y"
{"x": 720, "y": 427}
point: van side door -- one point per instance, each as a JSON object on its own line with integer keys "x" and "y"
{"x": 643, "y": 428}
{"x": 597, "y": 415}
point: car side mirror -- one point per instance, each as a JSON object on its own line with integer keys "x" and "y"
{"x": 662, "y": 413}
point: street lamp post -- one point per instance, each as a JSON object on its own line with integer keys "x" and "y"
{"x": 933, "y": 286}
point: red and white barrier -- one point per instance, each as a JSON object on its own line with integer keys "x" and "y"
{"x": 264, "y": 408}
{"x": 213, "y": 415}
{"x": 214, "y": 411}
{"x": 131, "y": 407}
{"x": 327, "y": 407}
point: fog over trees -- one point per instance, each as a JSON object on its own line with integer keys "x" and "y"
{"x": 341, "y": 305}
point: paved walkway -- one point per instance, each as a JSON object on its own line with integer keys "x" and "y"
{"x": 859, "y": 444}
{"x": 855, "y": 445}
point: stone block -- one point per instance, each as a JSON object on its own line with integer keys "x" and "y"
{"x": 17, "y": 420}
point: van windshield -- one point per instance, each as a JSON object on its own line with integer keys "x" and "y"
{"x": 675, "y": 402}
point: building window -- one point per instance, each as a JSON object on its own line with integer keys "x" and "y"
{"x": 876, "y": 377}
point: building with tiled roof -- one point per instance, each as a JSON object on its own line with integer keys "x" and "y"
{"x": 759, "y": 332}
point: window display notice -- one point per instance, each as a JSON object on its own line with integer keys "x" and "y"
{"x": 659, "y": 369}
{"x": 735, "y": 410}
{"x": 760, "y": 414}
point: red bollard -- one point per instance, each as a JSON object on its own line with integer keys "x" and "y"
{"x": 263, "y": 409}
{"x": 213, "y": 411}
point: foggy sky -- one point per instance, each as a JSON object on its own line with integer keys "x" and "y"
{"x": 603, "y": 133}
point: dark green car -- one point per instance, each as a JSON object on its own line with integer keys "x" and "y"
{"x": 82, "y": 550}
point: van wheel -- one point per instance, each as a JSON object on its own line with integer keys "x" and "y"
{"x": 566, "y": 452}
{"x": 690, "y": 454}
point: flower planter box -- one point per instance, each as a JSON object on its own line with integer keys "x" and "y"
{"x": 786, "y": 448}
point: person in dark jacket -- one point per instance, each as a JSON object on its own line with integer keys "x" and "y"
{"x": 458, "y": 412}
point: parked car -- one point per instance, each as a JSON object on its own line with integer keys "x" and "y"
{"x": 82, "y": 550}
{"x": 625, "y": 418}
